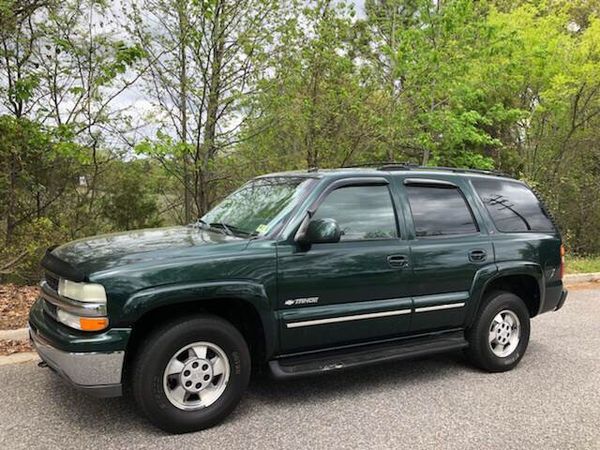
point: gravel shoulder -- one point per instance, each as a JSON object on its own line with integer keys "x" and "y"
{"x": 551, "y": 400}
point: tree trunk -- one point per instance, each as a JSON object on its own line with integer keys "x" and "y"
{"x": 212, "y": 109}
{"x": 12, "y": 193}
{"x": 183, "y": 25}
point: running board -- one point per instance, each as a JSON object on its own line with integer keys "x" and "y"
{"x": 298, "y": 366}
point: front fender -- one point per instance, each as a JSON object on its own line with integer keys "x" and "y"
{"x": 147, "y": 300}
{"x": 489, "y": 274}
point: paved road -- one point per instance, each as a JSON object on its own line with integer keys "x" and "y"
{"x": 551, "y": 400}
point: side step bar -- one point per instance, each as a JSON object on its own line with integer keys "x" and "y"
{"x": 298, "y": 366}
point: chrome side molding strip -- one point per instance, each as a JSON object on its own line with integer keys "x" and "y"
{"x": 308, "y": 323}
{"x": 439, "y": 307}
{"x": 397, "y": 312}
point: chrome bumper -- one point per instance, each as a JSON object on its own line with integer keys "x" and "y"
{"x": 98, "y": 373}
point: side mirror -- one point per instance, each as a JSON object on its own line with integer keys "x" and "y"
{"x": 323, "y": 231}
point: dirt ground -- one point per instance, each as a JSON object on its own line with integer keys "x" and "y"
{"x": 15, "y": 302}
{"x": 583, "y": 286}
{"x": 9, "y": 346}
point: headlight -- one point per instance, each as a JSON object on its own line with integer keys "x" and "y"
{"x": 82, "y": 292}
{"x": 79, "y": 317}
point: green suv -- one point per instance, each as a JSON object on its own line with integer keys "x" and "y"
{"x": 302, "y": 273}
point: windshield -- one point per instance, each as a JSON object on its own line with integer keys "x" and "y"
{"x": 258, "y": 206}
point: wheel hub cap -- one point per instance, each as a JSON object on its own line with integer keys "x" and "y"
{"x": 196, "y": 375}
{"x": 504, "y": 333}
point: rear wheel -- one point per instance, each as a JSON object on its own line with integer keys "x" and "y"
{"x": 500, "y": 335}
{"x": 191, "y": 373}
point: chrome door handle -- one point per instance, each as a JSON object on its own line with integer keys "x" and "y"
{"x": 477, "y": 255}
{"x": 397, "y": 260}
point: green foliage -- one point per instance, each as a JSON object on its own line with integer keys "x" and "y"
{"x": 582, "y": 264}
{"x": 30, "y": 242}
{"x": 129, "y": 202}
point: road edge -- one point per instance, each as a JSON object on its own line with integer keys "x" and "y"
{"x": 17, "y": 358}
{"x": 575, "y": 278}
{"x": 20, "y": 334}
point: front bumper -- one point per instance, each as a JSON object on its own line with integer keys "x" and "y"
{"x": 97, "y": 373}
{"x": 90, "y": 362}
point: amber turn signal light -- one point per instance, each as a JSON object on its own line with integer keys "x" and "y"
{"x": 93, "y": 323}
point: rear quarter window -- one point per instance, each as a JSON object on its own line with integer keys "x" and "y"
{"x": 513, "y": 206}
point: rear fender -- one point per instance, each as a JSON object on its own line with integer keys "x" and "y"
{"x": 488, "y": 274}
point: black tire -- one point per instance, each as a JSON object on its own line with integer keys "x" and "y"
{"x": 157, "y": 350}
{"x": 480, "y": 351}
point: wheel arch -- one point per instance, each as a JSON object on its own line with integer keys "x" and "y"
{"x": 245, "y": 305}
{"x": 523, "y": 279}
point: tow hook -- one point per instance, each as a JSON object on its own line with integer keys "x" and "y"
{"x": 42, "y": 364}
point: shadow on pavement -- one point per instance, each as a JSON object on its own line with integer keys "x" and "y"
{"x": 99, "y": 416}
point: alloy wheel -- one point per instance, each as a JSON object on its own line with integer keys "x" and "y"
{"x": 504, "y": 333}
{"x": 196, "y": 376}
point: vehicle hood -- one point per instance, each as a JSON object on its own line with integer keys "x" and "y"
{"x": 104, "y": 252}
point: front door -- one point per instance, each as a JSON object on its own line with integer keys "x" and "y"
{"x": 353, "y": 290}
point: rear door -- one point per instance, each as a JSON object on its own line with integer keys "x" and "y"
{"x": 449, "y": 244}
{"x": 351, "y": 291}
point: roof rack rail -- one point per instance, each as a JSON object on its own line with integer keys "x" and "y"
{"x": 391, "y": 167}
{"x": 378, "y": 164}
{"x": 396, "y": 165}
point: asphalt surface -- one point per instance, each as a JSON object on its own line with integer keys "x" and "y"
{"x": 551, "y": 400}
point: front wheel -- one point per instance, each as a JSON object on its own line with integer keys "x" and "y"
{"x": 500, "y": 335}
{"x": 190, "y": 373}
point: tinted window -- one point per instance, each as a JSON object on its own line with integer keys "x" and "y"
{"x": 362, "y": 212}
{"x": 439, "y": 211}
{"x": 512, "y": 205}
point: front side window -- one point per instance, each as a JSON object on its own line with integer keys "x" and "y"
{"x": 439, "y": 211}
{"x": 259, "y": 206}
{"x": 512, "y": 205}
{"x": 362, "y": 212}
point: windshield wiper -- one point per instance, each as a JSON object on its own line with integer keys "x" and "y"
{"x": 231, "y": 230}
{"x": 198, "y": 224}
{"x": 222, "y": 226}
{"x": 227, "y": 229}
{"x": 215, "y": 225}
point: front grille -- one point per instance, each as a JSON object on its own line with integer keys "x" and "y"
{"x": 52, "y": 281}
{"x": 50, "y": 309}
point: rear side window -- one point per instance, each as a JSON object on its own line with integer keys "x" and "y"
{"x": 512, "y": 205}
{"x": 439, "y": 211}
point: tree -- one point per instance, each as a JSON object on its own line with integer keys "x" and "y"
{"x": 318, "y": 107}
{"x": 61, "y": 68}
{"x": 129, "y": 201}
{"x": 204, "y": 58}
